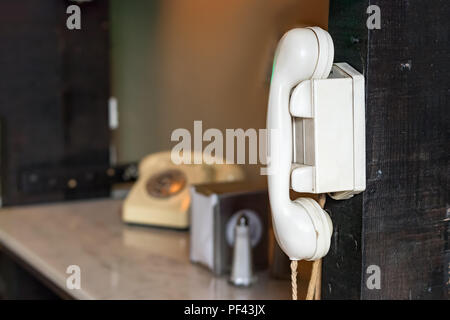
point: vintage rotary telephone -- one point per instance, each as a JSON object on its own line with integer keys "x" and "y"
{"x": 161, "y": 197}
{"x": 316, "y": 126}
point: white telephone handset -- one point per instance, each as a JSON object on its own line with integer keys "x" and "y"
{"x": 302, "y": 228}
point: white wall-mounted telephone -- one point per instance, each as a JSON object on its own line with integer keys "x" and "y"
{"x": 316, "y": 127}
{"x": 161, "y": 197}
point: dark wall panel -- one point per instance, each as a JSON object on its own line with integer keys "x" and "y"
{"x": 53, "y": 99}
{"x": 401, "y": 221}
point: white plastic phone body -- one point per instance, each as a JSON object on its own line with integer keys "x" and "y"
{"x": 316, "y": 139}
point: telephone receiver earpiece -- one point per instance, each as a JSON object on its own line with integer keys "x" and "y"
{"x": 302, "y": 228}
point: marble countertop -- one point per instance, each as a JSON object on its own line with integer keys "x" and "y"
{"x": 117, "y": 261}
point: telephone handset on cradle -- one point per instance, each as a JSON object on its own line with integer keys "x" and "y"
{"x": 161, "y": 197}
{"x": 316, "y": 127}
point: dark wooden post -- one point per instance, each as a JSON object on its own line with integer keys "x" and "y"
{"x": 401, "y": 222}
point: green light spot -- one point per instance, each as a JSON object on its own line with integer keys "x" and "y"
{"x": 273, "y": 69}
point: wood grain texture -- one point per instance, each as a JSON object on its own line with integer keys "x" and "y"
{"x": 404, "y": 214}
{"x": 341, "y": 267}
{"x": 405, "y": 226}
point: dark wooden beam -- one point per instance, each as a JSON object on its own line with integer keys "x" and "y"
{"x": 401, "y": 222}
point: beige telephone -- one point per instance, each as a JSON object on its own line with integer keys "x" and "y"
{"x": 161, "y": 196}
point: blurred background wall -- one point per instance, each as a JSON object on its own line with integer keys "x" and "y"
{"x": 174, "y": 62}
